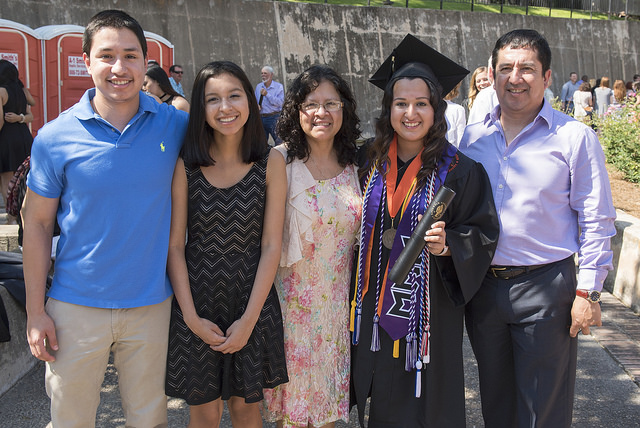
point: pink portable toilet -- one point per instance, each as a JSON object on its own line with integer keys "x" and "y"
{"x": 65, "y": 74}
{"x": 20, "y": 45}
{"x": 160, "y": 50}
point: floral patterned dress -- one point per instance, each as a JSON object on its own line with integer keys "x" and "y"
{"x": 321, "y": 225}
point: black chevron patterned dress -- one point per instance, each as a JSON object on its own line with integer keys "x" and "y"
{"x": 222, "y": 253}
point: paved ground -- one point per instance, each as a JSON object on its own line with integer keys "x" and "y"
{"x": 607, "y": 389}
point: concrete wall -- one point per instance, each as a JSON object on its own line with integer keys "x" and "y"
{"x": 353, "y": 40}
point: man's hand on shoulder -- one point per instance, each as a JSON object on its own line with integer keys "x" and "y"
{"x": 584, "y": 314}
{"x": 41, "y": 333}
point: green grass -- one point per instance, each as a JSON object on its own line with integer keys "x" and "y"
{"x": 492, "y": 8}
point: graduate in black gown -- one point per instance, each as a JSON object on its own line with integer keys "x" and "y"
{"x": 407, "y": 338}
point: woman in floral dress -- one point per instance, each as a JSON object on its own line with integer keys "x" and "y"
{"x": 320, "y": 127}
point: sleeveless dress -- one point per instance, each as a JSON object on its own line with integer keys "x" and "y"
{"x": 222, "y": 254}
{"x": 314, "y": 295}
{"x": 15, "y": 138}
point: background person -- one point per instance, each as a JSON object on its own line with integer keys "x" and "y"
{"x": 176, "y": 73}
{"x": 270, "y": 97}
{"x": 566, "y": 94}
{"x": 324, "y": 204}
{"x": 604, "y": 96}
{"x": 551, "y": 190}
{"x": 583, "y": 102}
{"x": 455, "y": 116}
{"x": 15, "y": 114}
{"x": 228, "y": 193}
{"x": 407, "y": 353}
{"x": 103, "y": 168}
{"x": 157, "y": 83}
{"x": 479, "y": 80}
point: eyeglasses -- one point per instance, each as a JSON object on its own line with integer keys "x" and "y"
{"x": 178, "y": 72}
{"x": 328, "y": 106}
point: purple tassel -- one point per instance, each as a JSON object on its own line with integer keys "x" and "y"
{"x": 375, "y": 337}
{"x": 410, "y": 356}
{"x": 418, "y": 379}
{"x": 356, "y": 328}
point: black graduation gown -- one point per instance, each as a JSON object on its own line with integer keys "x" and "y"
{"x": 472, "y": 235}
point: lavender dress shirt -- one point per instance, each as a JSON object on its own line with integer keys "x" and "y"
{"x": 551, "y": 191}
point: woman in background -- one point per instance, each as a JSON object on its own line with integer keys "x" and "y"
{"x": 15, "y": 114}
{"x": 583, "y": 102}
{"x": 456, "y": 117}
{"x": 479, "y": 81}
{"x": 604, "y": 96}
{"x": 228, "y": 193}
{"x": 157, "y": 83}
{"x": 319, "y": 126}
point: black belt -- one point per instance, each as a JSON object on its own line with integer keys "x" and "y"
{"x": 510, "y": 272}
{"x": 275, "y": 113}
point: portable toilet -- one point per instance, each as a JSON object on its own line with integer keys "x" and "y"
{"x": 66, "y": 75}
{"x": 160, "y": 50}
{"x": 20, "y": 45}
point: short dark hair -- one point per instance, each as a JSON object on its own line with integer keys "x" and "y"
{"x": 112, "y": 19}
{"x": 524, "y": 38}
{"x": 199, "y": 137}
{"x": 172, "y": 69}
{"x": 289, "y": 129}
{"x": 158, "y": 74}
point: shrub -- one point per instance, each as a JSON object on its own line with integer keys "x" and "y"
{"x": 619, "y": 132}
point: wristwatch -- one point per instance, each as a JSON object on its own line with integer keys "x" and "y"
{"x": 591, "y": 295}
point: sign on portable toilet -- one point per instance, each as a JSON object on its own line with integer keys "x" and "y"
{"x": 20, "y": 45}
{"x": 160, "y": 50}
{"x": 65, "y": 74}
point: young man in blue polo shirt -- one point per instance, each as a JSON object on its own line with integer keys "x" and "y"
{"x": 104, "y": 168}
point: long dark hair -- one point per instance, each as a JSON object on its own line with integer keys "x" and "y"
{"x": 195, "y": 150}
{"x": 289, "y": 129}
{"x": 10, "y": 79}
{"x": 158, "y": 74}
{"x": 434, "y": 142}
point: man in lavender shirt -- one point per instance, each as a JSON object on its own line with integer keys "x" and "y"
{"x": 552, "y": 193}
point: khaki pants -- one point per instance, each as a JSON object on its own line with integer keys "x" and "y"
{"x": 137, "y": 337}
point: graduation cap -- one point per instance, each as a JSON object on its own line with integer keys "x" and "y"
{"x": 414, "y": 58}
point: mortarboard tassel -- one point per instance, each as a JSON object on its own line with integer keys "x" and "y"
{"x": 375, "y": 336}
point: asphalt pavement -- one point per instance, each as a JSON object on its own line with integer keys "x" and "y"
{"x": 607, "y": 386}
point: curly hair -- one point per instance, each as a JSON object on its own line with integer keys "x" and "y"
{"x": 289, "y": 129}
{"x": 434, "y": 142}
{"x": 199, "y": 137}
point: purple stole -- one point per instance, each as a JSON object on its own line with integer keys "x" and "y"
{"x": 404, "y": 307}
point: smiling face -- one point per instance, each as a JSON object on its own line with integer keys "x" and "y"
{"x": 226, "y": 105}
{"x": 482, "y": 80}
{"x": 520, "y": 82}
{"x": 117, "y": 67}
{"x": 152, "y": 87}
{"x": 411, "y": 112}
{"x": 321, "y": 125}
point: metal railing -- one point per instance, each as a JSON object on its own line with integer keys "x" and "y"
{"x": 619, "y": 8}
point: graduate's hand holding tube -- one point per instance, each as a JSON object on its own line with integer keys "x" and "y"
{"x": 416, "y": 243}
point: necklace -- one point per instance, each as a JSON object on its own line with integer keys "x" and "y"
{"x": 322, "y": 173}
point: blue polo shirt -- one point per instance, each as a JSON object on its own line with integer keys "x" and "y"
{"x": 115, "y": 201}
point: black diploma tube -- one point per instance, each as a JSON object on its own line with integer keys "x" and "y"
{"x": 411, "y": 251}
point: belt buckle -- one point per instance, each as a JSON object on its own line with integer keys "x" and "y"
{"x": 495, "y": 269}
